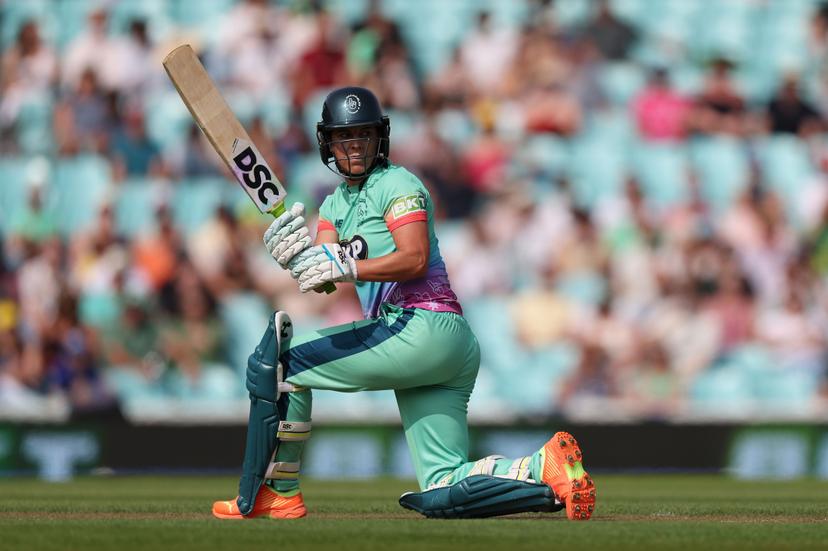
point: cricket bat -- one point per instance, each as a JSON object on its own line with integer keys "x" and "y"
{"x": 225, "y": 133}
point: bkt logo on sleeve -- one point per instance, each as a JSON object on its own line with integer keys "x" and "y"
{"x": 408, "y": 204}
{"x": 252, "y": 171}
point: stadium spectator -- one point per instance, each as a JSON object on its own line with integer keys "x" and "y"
{"x": 95, "y": 50}
{"x": 789, "y": 113}
{"x": 190, "y": 334}
{"x": 136, "y": 73}
{"x": 660, "y": 290}
{"x": 593, "y": 378}
{"x": 322, "y": 64}
{"x": 82, "y": 118}
{"x": 134, "y": 153}
{"x": 660, "y": 111}
{"x": 720, "y": 107}
{"x": 157, "y": 257}
{"x": 487, "y": 53}
{"x": 194, "y": 157}
{"x": 613, "y": 36}
{"x": 71, "y": 361}
{"x": 28, "y": 70}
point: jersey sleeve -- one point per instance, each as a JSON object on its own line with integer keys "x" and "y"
{"x": 404, "y": 201}
{"x": 326, "y": 217}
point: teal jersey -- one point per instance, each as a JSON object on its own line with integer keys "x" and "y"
{"x": 364, "y": 216}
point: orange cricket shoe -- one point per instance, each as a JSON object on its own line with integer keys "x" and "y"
{"x": 268, "y": 504}
{"x": 564, "y": 473}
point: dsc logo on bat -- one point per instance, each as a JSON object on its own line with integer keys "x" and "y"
{"x": 251, "y": 170}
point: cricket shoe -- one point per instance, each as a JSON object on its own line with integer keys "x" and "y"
{"x": 564, "y": 473}
{"x": 268, "y": 504}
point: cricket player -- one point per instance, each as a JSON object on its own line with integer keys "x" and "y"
{"x": 377, "y": 230}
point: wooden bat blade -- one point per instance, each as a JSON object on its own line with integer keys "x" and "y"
{"x": 224, "y": 131}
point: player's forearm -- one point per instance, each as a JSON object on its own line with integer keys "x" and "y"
{"x": 396, "y": 266}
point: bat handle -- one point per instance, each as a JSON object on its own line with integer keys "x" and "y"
{"x": 277, "y": 212}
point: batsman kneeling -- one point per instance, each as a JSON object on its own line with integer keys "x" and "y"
{"x": 377, "y": 230}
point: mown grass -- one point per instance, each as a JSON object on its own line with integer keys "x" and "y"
{"x": 634, "y": 512}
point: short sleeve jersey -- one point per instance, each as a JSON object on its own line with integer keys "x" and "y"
{"x": 365, "y": 215}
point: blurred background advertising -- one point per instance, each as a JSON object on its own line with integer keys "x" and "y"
{"x": 632, "y": 202}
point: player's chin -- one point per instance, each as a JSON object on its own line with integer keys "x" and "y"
{"x": 356, "y": 168}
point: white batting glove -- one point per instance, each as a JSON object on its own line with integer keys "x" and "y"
{"x": 288, "y": 235}
{"x": 321, "y": 264}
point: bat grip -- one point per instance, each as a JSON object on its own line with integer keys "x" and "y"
{"x": 329, "y": 287}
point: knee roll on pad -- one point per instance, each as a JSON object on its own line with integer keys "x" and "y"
{"x": 482, "y": 496}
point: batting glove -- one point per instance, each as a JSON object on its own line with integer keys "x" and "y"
{"x": 288, "y": 235}
{"x": 321, "y": 264}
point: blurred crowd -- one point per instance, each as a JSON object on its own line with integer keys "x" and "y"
{"x": 660, "y": 303}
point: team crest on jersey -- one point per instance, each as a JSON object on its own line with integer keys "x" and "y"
{"x": 356, "y": 248}
{"x": 352, "y": 103}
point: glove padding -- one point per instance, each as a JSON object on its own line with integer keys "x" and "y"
{"x": 288, "y": 235}
{"x": 321, "y": 264}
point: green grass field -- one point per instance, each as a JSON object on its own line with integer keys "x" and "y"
{"x": 634, "y": 512}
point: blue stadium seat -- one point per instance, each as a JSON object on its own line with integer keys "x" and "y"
{"x": 195, "y": 202}
{"x": 82, "y": 185}
{"x": 34, "y": 124}
{"x": 13, "y": 188}
{"x": 662, "y": 171}
{"x": 167, "y": 119}
{"x": 348, "y": 11}
{"x": 198, "y": 14}
{"x": 598, "y": 171}
{"x": 787, "y": 167}
{"x": 584, "y": 287}
{"x": 621, "y": 81}
{"x": 135, "y": 206}
{"x": 545, "y": 155}
{"x": 722, "y": 390}
{"x": 214, "y": 383}
{"x": 722, "y": 166}
{"x": 15, "y": 14}
{"x": 788, "y": 392}
{"x": 245, "y": 317}
{"x": 490, "y": 319}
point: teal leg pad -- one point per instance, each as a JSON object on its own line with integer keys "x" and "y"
{"x": 263, "y": 421}
{"x": 482, "y": 496}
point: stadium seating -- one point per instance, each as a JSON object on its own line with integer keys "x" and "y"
{"x": 662, "y": 170}
{"x": 721, "y": 164}
{"x": 81, "y": 185}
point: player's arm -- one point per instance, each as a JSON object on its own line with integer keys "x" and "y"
{"x": 409, "y": 261}
{"x": 325, "y": 233}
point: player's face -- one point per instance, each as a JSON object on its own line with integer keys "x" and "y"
{"x": 354, "y": 148}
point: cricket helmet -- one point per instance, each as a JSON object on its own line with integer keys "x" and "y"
{"x": 349, "y": 107}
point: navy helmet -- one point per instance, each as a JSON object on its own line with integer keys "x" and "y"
{"x": 349, "y": 107}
